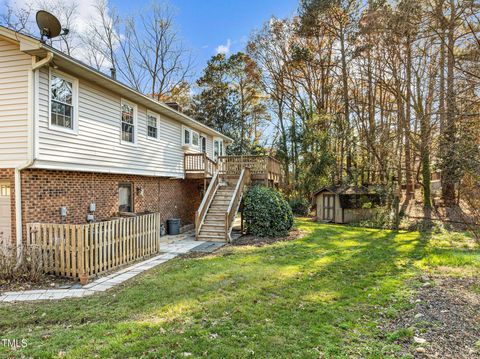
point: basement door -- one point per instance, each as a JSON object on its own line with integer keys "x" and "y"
{"x": 329, "y": 207}
{"x": 5, "y": 215}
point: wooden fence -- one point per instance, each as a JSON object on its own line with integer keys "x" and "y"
{"x": 71, "y": 250}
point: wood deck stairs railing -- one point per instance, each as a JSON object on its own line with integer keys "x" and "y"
{"x": 227, "y": 176}
{"x": 214, "y": 218}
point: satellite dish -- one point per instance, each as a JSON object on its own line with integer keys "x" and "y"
{"x": 48, "y": 24}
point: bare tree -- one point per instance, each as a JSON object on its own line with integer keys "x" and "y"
{"x": 159, "y": 50}
{"x": 67, "y": 12}
{"x": 17, "y": 18}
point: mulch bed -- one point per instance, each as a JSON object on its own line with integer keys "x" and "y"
{"x": 249, "y": 240}
{"x": 45, "y": 282}
{"x": 446, "y": 316}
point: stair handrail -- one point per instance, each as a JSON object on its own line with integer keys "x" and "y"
{"x": 206, "y": 201}
{"x": 234, "y": 204}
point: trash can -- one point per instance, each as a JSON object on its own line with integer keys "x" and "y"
{"x": 173, "y": 226}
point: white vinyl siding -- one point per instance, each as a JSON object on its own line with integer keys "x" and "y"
{"x": 14, "y": 68}
{"x": 97, "y": 147}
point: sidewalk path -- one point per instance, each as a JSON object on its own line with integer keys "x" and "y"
{"x": 170, "y": 250}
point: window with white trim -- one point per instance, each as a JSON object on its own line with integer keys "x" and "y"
{"x": 195, "y": 139}
{"x": 152, "y": 125}
{"x": 217, "y": 148}
{"x": 186, "y": 136}
{"x": 61, "y": 102}
{"x": 191, "y": 137}
{"x": 203, "y": 141}
{"x": 128, "y": 122}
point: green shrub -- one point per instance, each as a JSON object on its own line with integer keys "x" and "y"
{"x": 266, "y": 212}
{"x": 300, "y": 206}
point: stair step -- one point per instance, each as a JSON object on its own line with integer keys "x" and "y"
{"x": 219, "y": 206}
{"x": 214, "y": 233}
{"x": 212, "y": 230}
{"x": 214, "y": 222}
{"x": 211, "y": 238}
{"x": 215, "y": 219}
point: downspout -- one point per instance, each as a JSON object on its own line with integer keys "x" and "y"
{"x": 32, "y": 116}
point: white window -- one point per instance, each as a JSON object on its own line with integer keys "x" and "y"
{"x": 152, "y": 125}
{"x": 186, "y": 136}
{"x": 63, "y": 102}
{"x": 129, "y": 122}
{"x": 191, "y": 138}
{"x": 217, "y": 148}
{"x": 195, "y": 139}
{"x": 203, "y": 141}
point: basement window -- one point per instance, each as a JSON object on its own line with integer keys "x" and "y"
{"x": 125, "y": 200}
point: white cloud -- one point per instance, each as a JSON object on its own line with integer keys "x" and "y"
{"x": 224, "y": 49}
{"x": 85, "y": 16}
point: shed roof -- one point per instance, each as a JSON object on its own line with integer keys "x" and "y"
{"x": 344, "y": 189}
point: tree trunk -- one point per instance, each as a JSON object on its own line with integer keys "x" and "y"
{"x": 346, "y": 104}
{"x": 449, "y": 168}
{"x": 410, "y": 192}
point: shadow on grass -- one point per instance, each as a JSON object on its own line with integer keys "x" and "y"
{"x": 322, "y": 293}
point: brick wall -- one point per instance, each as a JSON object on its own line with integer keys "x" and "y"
{"x": 8, "y": 175}
{"x": 45, "y": 191}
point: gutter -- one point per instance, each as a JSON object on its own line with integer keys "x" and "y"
{"x": 169, "y": 111}
{"x": 32, "y": 116}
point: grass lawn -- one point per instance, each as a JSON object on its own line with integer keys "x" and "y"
{"x": 324, "y": 295}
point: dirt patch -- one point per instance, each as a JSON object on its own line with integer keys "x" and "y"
{"x": 249, "y": 240}
{"x": 445, "y": 319}
{"x": 45, "y": 282}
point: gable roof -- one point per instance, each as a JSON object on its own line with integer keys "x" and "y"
{"x": 35, "y": 47}
{"x": 343, "y": 189}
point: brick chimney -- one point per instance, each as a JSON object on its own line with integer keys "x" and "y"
{"x": 174, "y": 105}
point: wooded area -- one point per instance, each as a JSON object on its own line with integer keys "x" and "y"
{"x": 344, "y": 92}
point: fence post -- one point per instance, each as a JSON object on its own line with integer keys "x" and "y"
{"x": 157, "y": 230}
{"x": 81, "y": 254}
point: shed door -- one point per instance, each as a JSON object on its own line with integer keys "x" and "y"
{"x": 5, "y": 214}
{"x": 328, "y": 207}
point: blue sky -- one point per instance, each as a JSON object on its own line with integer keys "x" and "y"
{"x": 206, "y": 24}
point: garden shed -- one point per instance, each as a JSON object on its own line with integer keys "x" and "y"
{"x": 345, "y": 204}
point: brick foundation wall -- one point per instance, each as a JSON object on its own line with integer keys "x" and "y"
{"x": 45, "y": 191}
{"x": 8, "y": 175}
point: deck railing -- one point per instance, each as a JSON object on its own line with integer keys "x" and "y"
{"x": 205, "y": 204}
{"x": 232, "y": 210}
{"x": 261, "y": 167}
{"x": 73, "y": 250}
{"x": 199, "y": 163}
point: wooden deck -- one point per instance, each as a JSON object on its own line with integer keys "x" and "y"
{"x": 262, "y": 168}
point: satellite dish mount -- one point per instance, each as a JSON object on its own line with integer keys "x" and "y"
{"x": 49, "y": 26}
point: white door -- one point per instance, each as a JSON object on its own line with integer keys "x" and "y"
{"x": 5, "y": 215}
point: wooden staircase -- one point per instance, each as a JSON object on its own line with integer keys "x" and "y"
{"x": 214, "y": 218}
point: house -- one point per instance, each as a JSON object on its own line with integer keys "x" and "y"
{"x": 77, "y": 146}
{"x": 345, "y": 204}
